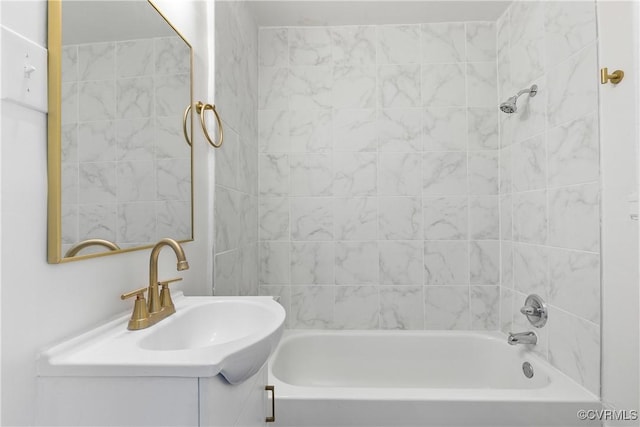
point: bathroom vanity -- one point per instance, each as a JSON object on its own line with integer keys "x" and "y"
{"x": 203, "y": 366}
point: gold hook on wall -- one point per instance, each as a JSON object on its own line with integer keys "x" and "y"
{"x": 615, "y": 77}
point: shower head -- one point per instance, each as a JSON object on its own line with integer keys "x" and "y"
{"x": 510, "y": 105}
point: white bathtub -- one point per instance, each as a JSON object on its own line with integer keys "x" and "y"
{"x": 418, "y": 378}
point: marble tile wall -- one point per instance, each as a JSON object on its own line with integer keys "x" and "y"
{"x": 549, "y": 173}
{"x": 379, "y": 175}
{"x": 126, "y": 169}
{"x": 236, "y": 163}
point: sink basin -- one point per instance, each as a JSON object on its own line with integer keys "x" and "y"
{"x": 212, "y": 323}
{"x": 231, "y": 336}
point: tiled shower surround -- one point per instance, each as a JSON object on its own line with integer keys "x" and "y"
{"x": 550, "y": 191}
{"x": 125, "y": 164}
{"x": 393, "y": 194}
{"x": 379, "y": 175}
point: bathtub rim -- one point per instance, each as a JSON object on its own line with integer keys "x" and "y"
{"x": 561, "y": 389}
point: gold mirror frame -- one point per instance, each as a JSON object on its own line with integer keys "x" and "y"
{"x": 54, "y": 140}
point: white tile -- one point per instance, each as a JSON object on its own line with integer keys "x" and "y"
{"x": 355, "y": 130}
{"x": 174, "y": 179}
{"x": 310, "y": 130}
{"x": 135, "y": 98}
{"x": 273, "y": 88}
{"x": 135, "y": 58}
{"x": 226, "y": 273}
{"x": 506, "y": 217}
{"x": 527, "y": 42}
{"x": 398, "y": 44}
{"x": 399, "y": 130}
{"x": 356, "y": 307}
{"x": 530, "y": 272}
{"x": 354, "y": 86}
{"x": 354, "y": 45}
{"x": 309, "y": 87}
{"x": 274, "y": 174}
{"x": 312, "y": 263}
{"x": 96, "y": 101}
{"x": 444, "y": 129}
{"x": 135, "y": 141}
{"x": 355, "y": 174}
{"x": 274, "y": 47}
{"x": 484, "y": 217}
{"x": 400, "y": 174}
{"x": 401, "y": 263}
{"x": 311, "y": 174}
{"x": 481, "y": 41}
{"x": 484, "y": 264}
{"x": 446, "y": 263}
{"x": 529, "y": 164}
{"x": 274, "y": 218}
{"x": 399, "y": 86}
{"x": 135, "y": 181}
{"x": 354, "y": 261}
{"x": 506, "y": 310}
{"x": 401, "y": 307}
{"x": 400, "y": 218}
{"x": 506, "y": 264}
{"x": 227, "y": 214}
{"x": 575, "y": 283}
{"x": 311, "y": 218}
{"x": 569, "y": 26}
{"x": 135, "y": 225}
{"x": 96, "y": 61}
{"x": 172, "y": 93}
{"x": 172, "y": 55}
{"x": 284, "y": 294}
{"x": 530, "y": 217}
{"x": 174, "y": 219}
{"x": 574, "y": 153}
{"x": 483, "y": 172}
{"x": 442, "y": 42}
{"x": 97, "y": 182}
{"x": 443, "y": 85}
{"x": 484, "y": 307}
{"x": 274, "y": 263}
{"x": 445, "y": 218}
{"x": 312, "y": 307}
{"x": 574, "y": 217}
{"x": 356, "y": 218}
{"x": 309, "y": 46}
{"x": 481, "y": 84}
{"x": 444, "y": 173}
{"x": 97, "y": 222}
{"x": 97, "y": 141}
{"x": 446, "y": 307}
{"x": 273, "y": 131}
{"x": 482, "y": 128}
{"x": 573, "y": 92}
{"x": 69, "y": 64}
{"x": 227, "y": 161}
{"x": 574, "y": 348}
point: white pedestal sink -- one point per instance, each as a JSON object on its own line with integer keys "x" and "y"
{"x": 231, "y": 336}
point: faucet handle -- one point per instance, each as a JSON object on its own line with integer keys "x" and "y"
{"x": 165, "y": 295}
{"x": 140, "y": 316}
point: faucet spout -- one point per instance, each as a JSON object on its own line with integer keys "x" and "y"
{"x": 154, "y": 296}
{"x": 522, "y": 338}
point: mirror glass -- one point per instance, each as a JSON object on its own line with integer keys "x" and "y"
{"x": 120, "y": 168}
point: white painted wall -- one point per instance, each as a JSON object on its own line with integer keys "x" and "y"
{"x": 42, "y": 303}
{"x": 618, "y": 112}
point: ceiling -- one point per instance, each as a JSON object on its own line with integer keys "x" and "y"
{"x": 270, "y": 13}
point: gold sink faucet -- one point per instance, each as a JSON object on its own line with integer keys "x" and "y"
{"x": 160, "y": 304}
{"x": 154, "y": 305}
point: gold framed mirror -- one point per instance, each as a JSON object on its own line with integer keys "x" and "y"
{"x": 119, "y": 168}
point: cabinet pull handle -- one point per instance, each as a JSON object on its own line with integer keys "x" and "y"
{"x": 272, "y": 389}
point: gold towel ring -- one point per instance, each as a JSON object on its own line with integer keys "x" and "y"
{"x": 201, "y": 108}
{"x": 184, "y": 124}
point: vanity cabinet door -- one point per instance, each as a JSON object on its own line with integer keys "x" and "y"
{"x": 234, "y": 405}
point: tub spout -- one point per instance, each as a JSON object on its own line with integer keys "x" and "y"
{"x": 522, "y": 338}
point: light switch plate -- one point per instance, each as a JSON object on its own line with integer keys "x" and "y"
{"x": 24, "y": 71}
